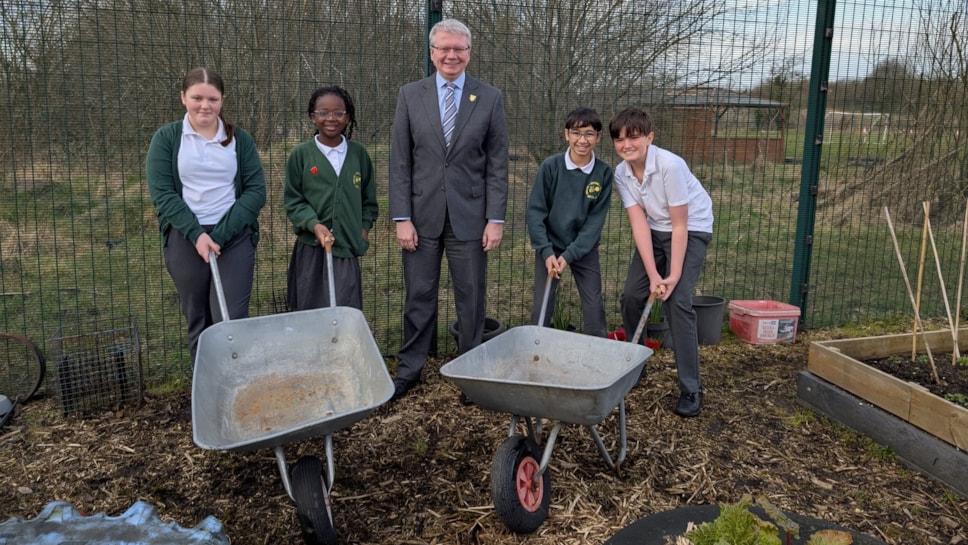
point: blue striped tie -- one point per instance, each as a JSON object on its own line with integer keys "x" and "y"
{"x": 450, "y": 112}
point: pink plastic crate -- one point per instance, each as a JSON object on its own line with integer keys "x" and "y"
{"x": 764, "y": 321}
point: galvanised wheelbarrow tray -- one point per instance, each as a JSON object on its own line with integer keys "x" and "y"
{"x": 266, "y": 381}
{"x": 539, "y": 373}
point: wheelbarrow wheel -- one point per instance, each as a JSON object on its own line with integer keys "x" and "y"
{"x": 522, "y": 505}
{"x": 314, "y": 507}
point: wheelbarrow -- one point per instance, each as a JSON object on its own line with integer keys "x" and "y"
{"x": 266, "y": 381}
{"x": 535, "y": 372}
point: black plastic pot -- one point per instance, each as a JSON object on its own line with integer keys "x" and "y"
{"x": 492, "y": 328}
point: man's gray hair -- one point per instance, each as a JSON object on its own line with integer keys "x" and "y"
{"x": 451, "y": 26}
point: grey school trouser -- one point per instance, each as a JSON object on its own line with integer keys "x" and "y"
{"x": 587, "y": 273}
{"x": 193, "y": 280}
{"x": 678, "y": 308}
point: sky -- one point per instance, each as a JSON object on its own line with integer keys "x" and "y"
{"x": 865, "y": 34}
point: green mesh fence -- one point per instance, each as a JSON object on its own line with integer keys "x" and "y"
{"x": 84, "y": 84}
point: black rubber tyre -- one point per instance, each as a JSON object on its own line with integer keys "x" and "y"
{"x": 522, "y": 507}
{"x": 313, "y": 504}
{"x": 22, "y": 367}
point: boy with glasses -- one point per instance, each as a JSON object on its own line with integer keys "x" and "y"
{"x": 565, "y": 216}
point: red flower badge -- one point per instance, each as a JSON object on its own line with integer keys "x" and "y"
{"x": 314, "y": 170}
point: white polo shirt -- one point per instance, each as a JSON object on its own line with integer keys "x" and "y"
{"x": 667, "y": 182}
{"x": 336, "y": 156}
{"x": 207, "y": 171}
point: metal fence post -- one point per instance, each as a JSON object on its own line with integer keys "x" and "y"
{"x": 812, "y": 146}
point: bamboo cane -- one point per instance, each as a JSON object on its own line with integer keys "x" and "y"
{"x": 944, "y": 294}
{"x": 917, "y": 303}
{"x": 907, "y": 284}
{"x": 961, "y": 270}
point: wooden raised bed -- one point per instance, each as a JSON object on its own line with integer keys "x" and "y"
{"x": 839, "y": 362}
{"x": 928, "y": 432}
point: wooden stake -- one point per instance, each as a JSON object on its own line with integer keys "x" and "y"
{"x": 917, "y": 303}
{"x": 907, "y": 283}
{"x": 944, "y": 294}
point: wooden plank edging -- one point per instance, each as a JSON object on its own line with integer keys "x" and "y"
{"x": 839, "y": 362}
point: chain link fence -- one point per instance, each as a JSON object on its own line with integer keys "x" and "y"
{"x": 804, "y": 120}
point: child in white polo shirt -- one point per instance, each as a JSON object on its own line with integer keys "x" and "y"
{"x": 672, "y": 223}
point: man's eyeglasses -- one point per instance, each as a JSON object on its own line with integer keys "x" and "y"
{"x": 326, "y": 114}
{"x": 449, "y": 50}
{"x": 578, "y": 135}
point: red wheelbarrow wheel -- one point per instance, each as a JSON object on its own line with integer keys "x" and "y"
{"x": 521, "y": 504}
{"x": 313, "y": 504}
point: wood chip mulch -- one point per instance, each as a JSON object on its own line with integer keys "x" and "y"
{"x": 417, "y": 471}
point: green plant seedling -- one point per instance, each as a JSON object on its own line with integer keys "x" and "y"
{"x": 958, "y": 399}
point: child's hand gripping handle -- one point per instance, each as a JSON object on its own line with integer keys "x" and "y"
{"x": 645, "y": 314}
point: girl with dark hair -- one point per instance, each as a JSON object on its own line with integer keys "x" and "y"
{"x": 207, "y": 184}
{"x": 330, "y": 198}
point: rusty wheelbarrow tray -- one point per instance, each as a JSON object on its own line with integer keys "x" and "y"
{"x": 266, "y": 381}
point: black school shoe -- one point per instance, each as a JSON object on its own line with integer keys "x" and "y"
{"x": 690, "y": 404}
{"x": 401, "y": 387}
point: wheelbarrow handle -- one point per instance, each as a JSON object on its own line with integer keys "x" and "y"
{"x": 544, "y": 300}
{"x": 329, "y": 274}
{"x": 644, "y": 317}
{"x": 223, "y": 306}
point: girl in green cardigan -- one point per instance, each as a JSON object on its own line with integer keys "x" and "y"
{"x": 330, "y": 198}
{"x": 207, "y": 184}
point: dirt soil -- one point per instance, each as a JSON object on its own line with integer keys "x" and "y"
{"x": 941, "y": 374}
{"x": 418, "y": 471}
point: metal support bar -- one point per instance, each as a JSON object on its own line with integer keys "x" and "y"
{"x": 283, "y": 470}
{"x": 623, "y": 440}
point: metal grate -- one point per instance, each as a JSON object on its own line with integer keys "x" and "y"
{"x": 96, "y": 366}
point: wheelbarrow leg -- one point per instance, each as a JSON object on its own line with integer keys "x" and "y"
{"x": 623, "y": 440}
{"x": 283, "y": 470}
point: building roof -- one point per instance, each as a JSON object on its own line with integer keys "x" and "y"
{"x": 722, "y": 98}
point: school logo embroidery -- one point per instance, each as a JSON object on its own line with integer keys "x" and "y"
{"x": 593, "y": 190}
{"x": 357, "y": 180}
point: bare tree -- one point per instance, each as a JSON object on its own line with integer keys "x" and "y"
{"x": 929, "y": 124}
{"x": 553, "y": 55}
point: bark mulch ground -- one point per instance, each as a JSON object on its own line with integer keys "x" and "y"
{"x": 418, "y": 471}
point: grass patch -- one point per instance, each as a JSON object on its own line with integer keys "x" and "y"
{"x": 82, "y": 247}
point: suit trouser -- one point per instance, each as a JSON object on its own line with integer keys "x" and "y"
{"x": 678, "y": 308}
{"x": 467, "y": 263}
{"x": 193, "y": 280}
{"x": 587, "y": 273}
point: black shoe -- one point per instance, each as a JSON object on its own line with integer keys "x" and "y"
{"x": 464, "y": 400}
{"x": 690, "y": 404}
{"x": 401, "y": 386}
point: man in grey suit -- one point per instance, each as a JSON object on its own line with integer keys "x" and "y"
{"x": 448, "y": 193}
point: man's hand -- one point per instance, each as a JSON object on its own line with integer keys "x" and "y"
{"x": 406, "y": 235}
{"x": 493, "y": 233}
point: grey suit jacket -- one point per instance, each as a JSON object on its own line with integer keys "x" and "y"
{"x": 469, "y": 180}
